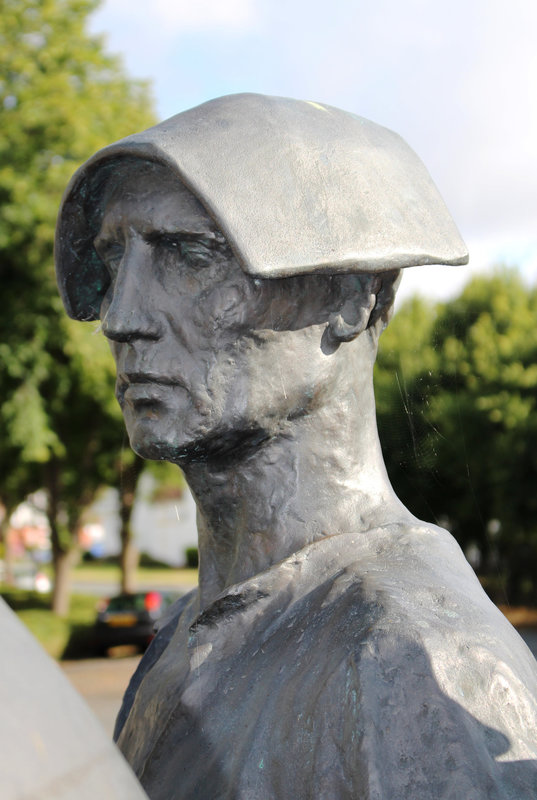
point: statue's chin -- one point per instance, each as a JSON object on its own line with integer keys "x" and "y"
{"x": 227, "y": 446}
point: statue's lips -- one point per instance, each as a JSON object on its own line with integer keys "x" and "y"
{"x": 138, "y": 387}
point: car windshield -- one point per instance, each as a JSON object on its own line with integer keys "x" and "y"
{"x": 127, "y": 602}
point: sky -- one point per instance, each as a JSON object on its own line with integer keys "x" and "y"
{"x": 456, "y": 78}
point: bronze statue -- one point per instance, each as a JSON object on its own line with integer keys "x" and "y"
{"x": 243, "y": 258}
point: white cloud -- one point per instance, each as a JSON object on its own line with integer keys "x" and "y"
{"x": 442, "y": 282}
{"x": 171, "y": 17}
{"x": 196, "y": 15}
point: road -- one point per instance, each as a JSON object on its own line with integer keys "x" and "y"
{"x": 102, "y": 682}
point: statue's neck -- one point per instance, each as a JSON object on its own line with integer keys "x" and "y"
{"x": 323, "y": 475}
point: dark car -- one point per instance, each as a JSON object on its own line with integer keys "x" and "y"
{"x": 130, "y": 619}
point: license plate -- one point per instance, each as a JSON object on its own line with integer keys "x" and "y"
{"x": 122, "y": 620}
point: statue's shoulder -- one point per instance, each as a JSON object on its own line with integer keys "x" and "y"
{"x": 415, "y": 653}
{"x": 415, "y": 580}
{"x": 411, "y": 564}
{"x": 163, "y": 634}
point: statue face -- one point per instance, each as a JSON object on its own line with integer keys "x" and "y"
{"x": 207, "y": 357}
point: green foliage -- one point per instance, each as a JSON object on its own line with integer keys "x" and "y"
{"x": 170, "y": 481}
{"x": 192, "y": 557}
{"x": 458, "y": 419}
{"x": 61, "y": 98}
{"x": 149, "y": 562}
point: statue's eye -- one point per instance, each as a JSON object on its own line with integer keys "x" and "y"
{"x": 190, "y": 250}
{"x": 197, "y": 254}
{"x": 110, "y": 254}
{"x": 167, "y": 242}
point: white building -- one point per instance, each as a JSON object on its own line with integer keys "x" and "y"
{"x": 162, "y": 529}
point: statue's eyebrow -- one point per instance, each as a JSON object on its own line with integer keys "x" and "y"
{"x": 103, "y": 241}
{"x": 213, "y": 240}
{"x": 207, "y": 237}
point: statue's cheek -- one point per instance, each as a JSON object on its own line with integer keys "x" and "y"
{"x": 221, "y": 310}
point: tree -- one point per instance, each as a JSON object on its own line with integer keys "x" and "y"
{"x": 473, "y": 415}
{"x": 61, "y": 98}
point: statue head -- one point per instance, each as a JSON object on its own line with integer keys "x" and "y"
{"x": 231, "y": 252}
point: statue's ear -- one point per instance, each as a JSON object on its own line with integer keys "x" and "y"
{"x": 356, "y": 300}
{"x": 362, "y": 302}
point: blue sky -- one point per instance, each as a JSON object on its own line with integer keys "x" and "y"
{"x": 456, "y": 78}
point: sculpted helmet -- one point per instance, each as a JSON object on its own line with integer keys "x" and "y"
{"x": 295, "y": 187}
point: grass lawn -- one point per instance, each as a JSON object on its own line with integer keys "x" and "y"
{"x": 156, "y": 576}
{"x": 54, "y": 633}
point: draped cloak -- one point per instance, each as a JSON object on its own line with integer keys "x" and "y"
{"x": 371, "y": 667}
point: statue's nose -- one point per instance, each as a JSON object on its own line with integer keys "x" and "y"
{"x": 131, "y": 313}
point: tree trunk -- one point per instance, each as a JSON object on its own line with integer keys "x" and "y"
{"x": 128, "y": 560}
{"x": 63, "y": 561}
{"x": 64, "y": 549}
{"x": 9, "y": 578}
